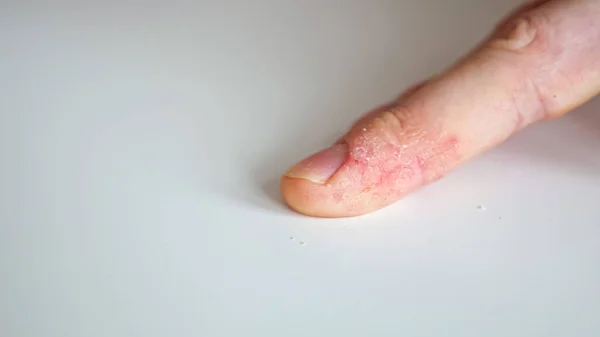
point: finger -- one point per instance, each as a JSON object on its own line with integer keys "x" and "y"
{"x": 541, "y": 63}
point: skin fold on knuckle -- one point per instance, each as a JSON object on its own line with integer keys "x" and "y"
{"x": 524, "y": 46}
{"x": 555, "y": 48}
{"x": 526, "y": 33}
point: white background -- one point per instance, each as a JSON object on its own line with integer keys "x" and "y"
{"x": 141, "y": 147}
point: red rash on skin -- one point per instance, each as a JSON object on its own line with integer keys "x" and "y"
{"x": 391, "y": 171}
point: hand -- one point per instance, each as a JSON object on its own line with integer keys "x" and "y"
{"x": 541, "y": 62}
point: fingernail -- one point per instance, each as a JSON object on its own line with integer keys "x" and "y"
{"x": 321, "y": 166}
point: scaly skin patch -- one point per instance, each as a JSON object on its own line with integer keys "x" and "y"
{"x": 388, "y": 157}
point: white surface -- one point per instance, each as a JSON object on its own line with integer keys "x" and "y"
{"x": 141, "y": 147}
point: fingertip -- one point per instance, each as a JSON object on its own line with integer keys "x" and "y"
{"x": 309, "y": 198}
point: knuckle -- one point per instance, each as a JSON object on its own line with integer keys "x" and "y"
{"x": 527, "y": 32}
{"x": 382, "y": 134}
{"x": 394, "y": 123}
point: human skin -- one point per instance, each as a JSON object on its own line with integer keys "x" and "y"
{"x": 542, "y": 61}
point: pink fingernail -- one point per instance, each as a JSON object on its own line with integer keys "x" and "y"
{"x": 321, "y": 166}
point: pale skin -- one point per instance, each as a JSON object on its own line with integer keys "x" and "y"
{"x": 541, "y": 62}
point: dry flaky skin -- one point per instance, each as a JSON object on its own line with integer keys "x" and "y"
{"x": 541, "y": 62}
